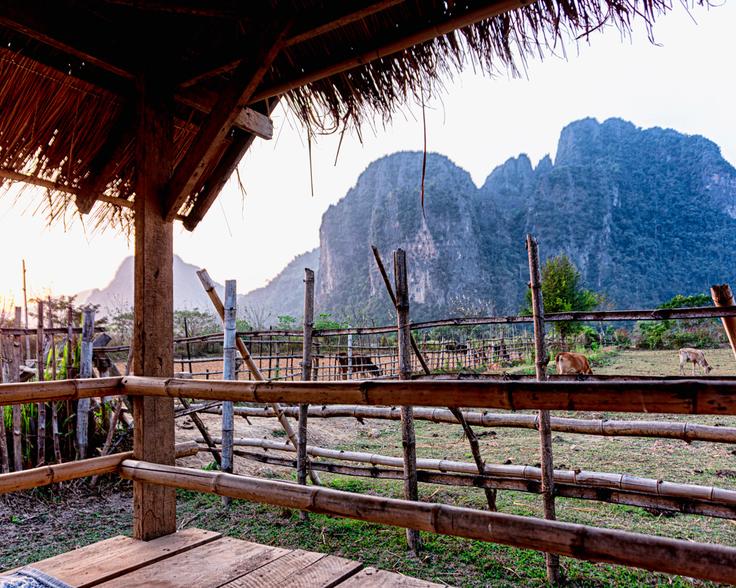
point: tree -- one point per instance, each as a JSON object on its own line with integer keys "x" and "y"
{"x": 563, "y": 292}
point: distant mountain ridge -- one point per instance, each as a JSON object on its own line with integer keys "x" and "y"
{"x": 643, "y": 213}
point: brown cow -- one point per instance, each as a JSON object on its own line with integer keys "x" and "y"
{"x": 696, "y": 356}
{"x": 572, "y": 363}
{"x": 360, "y": 363}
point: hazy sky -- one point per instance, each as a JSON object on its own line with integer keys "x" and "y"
{"x": 686, "y": 82}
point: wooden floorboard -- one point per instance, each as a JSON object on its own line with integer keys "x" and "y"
{"x": 374, "y": 578}
{"x": 208, "y": 566}
{"x": 88, "y": 566}
{"x": 202, "y": 559}
{"x": 298, "y": 569}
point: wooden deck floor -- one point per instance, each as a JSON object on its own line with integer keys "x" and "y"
{"x": 196, "y": 558}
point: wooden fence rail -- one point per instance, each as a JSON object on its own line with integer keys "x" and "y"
{"x": 673, "y": 396}
{"x": 626, "y": 497}
{"x": 608, "y": 428}
{"x": 711, "y": 562}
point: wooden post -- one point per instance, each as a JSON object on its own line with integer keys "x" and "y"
{"x": 228, "y": 347}
{"x": 545, "y": 431}
{"x": 70, "y": 344}
{"x": 209, "y": 287}
{"x": 301, "y": 456}
{"x": 40, "y": 367}
{"x": 85, "y": 371}
{"x": 6, "y": 351}
{"x": 17, "y": 409}
{"x": 54, "y": 405}
{"x": 25, "y": 307}
{"x": 154, "y": 507}
{"x": 411, "y": 490}
{"x": 722, "y": 296}
{"x": 457, "y": 413}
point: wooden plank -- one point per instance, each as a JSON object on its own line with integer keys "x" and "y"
{"x": 99, "y": 562}
{"x": 154, "y": 508}
{"x": 298, "y": 569}
{"x": 213, "y": 564}
{"x": 373, "y": 578}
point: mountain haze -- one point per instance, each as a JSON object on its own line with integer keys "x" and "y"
{"x": 643, "y": 213}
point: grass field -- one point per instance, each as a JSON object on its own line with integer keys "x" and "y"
{"x": 47, "y": 522}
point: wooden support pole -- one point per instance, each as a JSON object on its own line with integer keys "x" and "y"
{"x": 85, "y": 371}
{"x": 154, "y": 507}
{"x": 209, "y": 287}
{"x": 308, "y": 327}
{"x": 707, "y": 561}
{"x": 545, "y": 432}
{"x": 17, "y": 410}
{"x": 6, "y": 351}
{"x": 722, "y": 296}
{"x": 411, "y": 489}
{"x": 228, "y": 347}
{"x": 54, "y": 405}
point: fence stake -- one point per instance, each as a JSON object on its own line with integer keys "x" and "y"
{"x": 545, "y": 432}
{"x": 228, "y": 423}
{"x": 17, "y": 409}
{"x": 456, "y": 412}
{"x": 722, "y": 296}
{"x": 301, "y": 455}
{"x": 85, "y": 371}
{"x": 411, "y": 490}
{"x": 40, "y": 366}
{"x": 54, "y": 405}
{"x": 209, "y": 287}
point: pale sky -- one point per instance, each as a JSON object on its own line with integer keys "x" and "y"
{"x": 685, "y": 82}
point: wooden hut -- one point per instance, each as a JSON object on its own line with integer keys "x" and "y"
{"x": 136, "y": 113}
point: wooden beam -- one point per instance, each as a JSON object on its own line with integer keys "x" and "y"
{"x": 248, "y": 119}
{"x": 103, "y": 165}
{"x": 680, "y": 396}
{"x": 216, "y": 181}
{"x": 326, "y": 25}
{"x": 707, "y": 561}
{"x": 154, "y": 507}
{"x": 48, "y": 25}
{"x": 394, "y": 46}
{"x": 207, "y": 144}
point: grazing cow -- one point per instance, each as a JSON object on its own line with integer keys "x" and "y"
{"x": 572, "y": 363}
{"x": 696, "y": 357}
{"x": 360, "y": 363}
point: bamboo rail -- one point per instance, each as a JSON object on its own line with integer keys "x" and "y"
{"x": 711, "y": 562}
{"x": 629, "y": 498}
{"x": 608, "y": 428}
{"x": 17, "y": 393}
{"x": 681, "y": 396}
{"x": 603, "y": 480}
{"x": 62, "y": 472}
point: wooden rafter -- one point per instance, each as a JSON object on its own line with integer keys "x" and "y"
{"x": 45, "y": 27}
{"x": 240, "y": 143}
{"x": 103, "y": 166}
{"x": 213, "y": 132}
{"x": 385, "y": 49}
{"x": 328, "y": 25}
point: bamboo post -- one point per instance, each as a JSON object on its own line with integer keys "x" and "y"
{"x": 411, "y": 490}
{"x": 70, "y": 343}
{"x": 228, "y": 348}
{"x": 40, "y": 367}
{"x": 54, "y": 405}
{"x": 25, "y": 307}
{"x": 722, "y": 296}
{"x": 85, "y": 371}
{"x": 6, "y": 350}
{"x": 456, "y": 412}
{"x": 17, "y": 409}
{"x": 209, "y": 287}
{"x": 188, "y": 346}
{"x": 306, "y": 372}
{"x": 545, "y": 432}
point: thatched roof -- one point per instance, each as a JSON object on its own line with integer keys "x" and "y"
{"x": 68, "y": 70}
